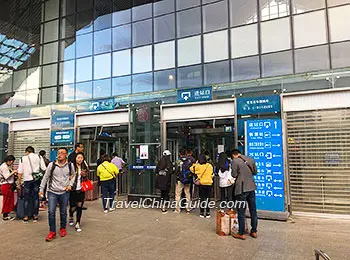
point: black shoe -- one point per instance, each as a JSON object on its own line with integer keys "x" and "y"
{"x": 84, "y": 208}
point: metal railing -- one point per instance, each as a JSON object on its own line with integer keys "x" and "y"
{"x": 320, "y": 253}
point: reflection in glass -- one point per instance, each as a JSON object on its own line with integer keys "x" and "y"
{"x": 67, "y": 72}
{"x": 5, "y": 84}
{"x": 163, "y": 7}
{"x": 19, "y": 99}
{"x": 33, "y": 78}
{"x": 189, "y": 51}
{"x": 211, "y": 43}
{"x": 83, "y": 4}
{"x": 340, "y": 54}
{"x": 339, "y": 30}
{"x": 102, "y": 88}
{"x": 122, "y": 63}
{"x": 84, "y": 22}
{"x": 183, "y": 4}
{"x": 142, "y": 59}
{"x": 51, "y": 9}
{"x": 103, "y": 22}
{"x": 164, "y": 28}
{"x": 48, "y": 95}
{"x": 102, "y": 66}
{"x": 273, "y": 9}
{"x": 142, "y": 33}
{"x": 102, "y": 41}
{"x": 121, "y": 86}
{"x": 218, "y": 72}
{"x": 122, "y": 37}
{"x": 141, "y": 12}
{"x": 32, "y": 97}
{"x": 269, "y": 30}
{"x": 142, "y": 83}
{"x": 51, "y": 31}
{"x": 337, "y": 2}
{"x": 49, "y": 73}
{"x": 19, "y": 80}
{"x": 188, "y": 22}
{"x": 245, "y": 69}
{"x": 243, "y": 12}
{"x": 164, "y": 55}
{"x": 312, "y": 59}
{"x": 67, "y": 7}
{"x": 68, "y": 27}
{"x": 50, "y": 52}
{"x": 84, "y": 45}
{"x": 244, "y": 41}
{"x": 66, "y": 93}
{"x": 164, "y": 79}
{"x": 67, "y": 49}
{"x": 121, "y": 17}
{"x": 84, "y": 69}
{"x": 212, "y": 20}
{"x": 189, "y": 76}
{"x": 83, "y": 90}
{"x": 301, "y": 6}
{"x": 277, "y": 64}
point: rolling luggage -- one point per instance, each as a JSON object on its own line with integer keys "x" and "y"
{"x": 20, "y": 205}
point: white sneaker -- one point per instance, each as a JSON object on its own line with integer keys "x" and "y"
{"x": 201, "y": 216}
{"x": 77, "y": 227}
{"x": 111, "y": 209}
{"x": 207, "y": 216}
{"x": 71, "y": 222}
{"x": 105, "y": 211}
{"x": 177, "y": 211}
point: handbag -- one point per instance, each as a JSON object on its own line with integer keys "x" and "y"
{"x": 86, "y": 185}
{"x": 36, "y": 175}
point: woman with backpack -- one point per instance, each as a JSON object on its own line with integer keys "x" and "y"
{"x": 164, "y": 170}
{"x": 7, "y": 182}
{"x": 226, "y": 180}
{"x": 204, "y": 172}
{"x": 77, "y": 196}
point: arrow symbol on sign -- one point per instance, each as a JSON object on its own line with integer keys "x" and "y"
{"x": 277, "y": 165}
{"x": 278, "y": 195}
{"x": 276, "y": 145}
{"x": 277, "y": 172}
{"x": 278, "y": 188}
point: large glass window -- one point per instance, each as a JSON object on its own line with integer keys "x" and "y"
{"x": 337, "y": 2}
{"x": 121, "y": 17}
{"x": 164, "y": 79}
{"x": 245, "y": 68}
{"x": 141, "y": 12}
{"x": 142, "y": 59}
{"x": 84, "y": 22}
{"x": 183, "y": 4}
{"x": 67, "y": 7}
{"x": 216, "y": 46}
{"x": 102, "y": 41}
{"x": 83, "y": 91}
{"x": 277, "y": 64}
{"x": 121, "y": 86}
{"x": 102, "y": 88}
{"x": 33, "y": 79}
{"x": 312, "y": 59}
{"x": 163, "y": 7}
{"x": 32, "y": 97}
{"x": 218, "y": 72}
{"x": 49, "y": 74}
{"x": 189, "y": 51}
{"x": 122, "y": 63}
{"x": 164, "y": 28}
{"x": 19, "y": 99}
{"x": 301, "y": 6}
{"x": 66, "y": 92}
{"x": 244, "y": 41}
{"x": 102, "y": 66}
{"x": 84, "y": 45}
{"x": 51, "y": 31}
{"x": 273, "y": 9}
{"x": 215, "y": 16}
{"x": 84, "y": 69}
{"x": 67, "y": 72}
{"x": 51, "y": 9}
{"x": 122, "y": 37}
{"x": 103, "y": 16}
{"x": 339, "y": 29}
{"x": 50, "y": 52}
{"x": 68, "y": 27}
{"x": 188, "y": 22}
{"x": 164, "y": 55}
{"x": 189, "y": 76}
{"x": 84, "y": 4}
{"x": 243, "y": 12}
{"x": 340, "y": 54}
{"x": 67, "y": 49}
{"x": 49, "y": 95}
{"x": 142, "y": 33}
{"x": 310, "y": 29}
{"x": 275, "y": 35}
{"x": 142, "y": 83}
{"x": 19, "y": 80}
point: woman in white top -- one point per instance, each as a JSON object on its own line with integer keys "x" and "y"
{"x": 6, "y": 181}
{"x": 77, "y": 196}
{"x": 226, "y": 180}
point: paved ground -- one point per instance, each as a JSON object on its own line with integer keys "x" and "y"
{"x": 146, "y": 234}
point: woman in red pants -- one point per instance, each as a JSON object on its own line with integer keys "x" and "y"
{"x": 7, "y": 180}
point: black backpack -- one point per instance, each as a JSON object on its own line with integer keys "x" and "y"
{"x": 186, "y": 176}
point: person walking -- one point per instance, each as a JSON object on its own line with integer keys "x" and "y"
{"x": 42, "y": 205}
{"x": 79, "y": 148}
{"x": 7, "y": 182}
{"x": 107, "y": 173}
{"x": 226, "y": 180}
{"x": 59, "y": 179}
{"x": 243, "y": 169}
{"x": 31, "y": 168}
{"x": 184, "y": 179}
{"x": 164, "y": 171}
{"x": 77, "y": 196}
{"x": 204, "y": 172}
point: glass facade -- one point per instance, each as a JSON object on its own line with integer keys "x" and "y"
{"x": 70, "y": 50}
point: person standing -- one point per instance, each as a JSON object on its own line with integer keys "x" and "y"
{"x": 107, "y": 173}
{"x": 243, "y": 169}
{"x": 204, "y": 172}
{"x": 59, "y": 179}
{"x": 42, "y": 153}
{"x": 226, "y": 179}
{"x": 164, "y": 170}
{"x": 101, "y": 158}
{"x": 30, "y": 167}
{"x": 79, "y": 148}
{"x": 117, "y": 161}
{"x": 77, "y": 196}
{"x": 7, "y": 181}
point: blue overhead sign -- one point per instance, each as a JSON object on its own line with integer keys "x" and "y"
{"x": 264, "y": 144}
{"x": 194, "y": 95}
{"x": 101, "y": 105}
{"x": 258, "y": 105}
{"x": 62, "y": 137}
{"x": 62, "y": 121}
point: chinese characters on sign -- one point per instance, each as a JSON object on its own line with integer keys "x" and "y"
{"x": 194, "y": 95}
{"x": 269, "y": 104}
{"x": 264, "y": 144}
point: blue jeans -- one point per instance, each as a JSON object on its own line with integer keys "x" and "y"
{"x": 62, "y": 200}
{"x": 249, "y": 197}
{"x": 31, "y": 192}
{"x": 107, "y": 190}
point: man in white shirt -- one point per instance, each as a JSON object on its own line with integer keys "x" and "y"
{"x": 30, "y": 164}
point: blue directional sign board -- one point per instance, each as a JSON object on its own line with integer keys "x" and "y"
{"x": 194, "y": 95}
{"x": 258, "y": 105}
{"x": 59, "y": 121}
{"x": 62, "y": 137}
{"x": 264, "y": 144}
{"x": 101, "y": 105}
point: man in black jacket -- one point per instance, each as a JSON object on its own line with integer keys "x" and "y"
{"x": 79, "y": 148}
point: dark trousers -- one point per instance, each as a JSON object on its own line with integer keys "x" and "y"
{"x": 204, "y": 195}
{"x": 248, "y": 197}
{"x": 62, "y": 200}
{"x": 107, "y": 190}
{"x": 31, "y": 192}
{"x": 226, "y": 193}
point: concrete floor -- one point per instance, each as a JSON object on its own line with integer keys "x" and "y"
{"x": 147, "y": 234}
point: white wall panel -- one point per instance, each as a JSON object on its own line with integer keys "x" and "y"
{"x": 32, "y": 124}
{"x": 119, "y": 117}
